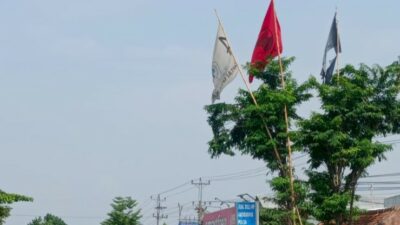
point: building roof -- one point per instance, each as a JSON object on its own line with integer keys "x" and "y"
{"x": 388, "y": 216}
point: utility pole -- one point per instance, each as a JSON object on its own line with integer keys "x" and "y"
{"x": 180, "y": 207}
{"x": 200, "y": 209}
{"x": 158, "y": 215}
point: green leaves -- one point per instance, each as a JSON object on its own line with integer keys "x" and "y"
{"x": 359, "y": 105}
{"x": 123, "y": 213}
{"x": 335, "y": 204}
{"x": 241, "y": 127}
{"x": 6, "y": 199}
{"x": 269, "y": 216}
{"x": 48, "y": 219}
{"x": 260, "y": 131}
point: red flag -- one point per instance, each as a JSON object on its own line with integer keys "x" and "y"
{"x": 269, "y": 42}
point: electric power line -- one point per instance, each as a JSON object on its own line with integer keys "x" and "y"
{"x": 244, "y": 172}
{"x": 241, "y": 177}
{"x": 377, "y": 188}
{"x": 378, "y": 182}
{"x": 383, "y": 175}
{"x": 181, "y": 192}
{"x": 174, "y": 188}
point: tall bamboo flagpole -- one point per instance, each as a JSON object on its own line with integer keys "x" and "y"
{"x": 252, "y": 95}
{"x": 290, "y": 162}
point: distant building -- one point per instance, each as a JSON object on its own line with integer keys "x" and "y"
{"x": 392, "y": 201}
{"x": 389, "y": 216}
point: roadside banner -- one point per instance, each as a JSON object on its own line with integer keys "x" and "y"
{"x": 247, "y": 213}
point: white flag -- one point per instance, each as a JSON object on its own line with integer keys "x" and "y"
{"x": 224, "y": 68}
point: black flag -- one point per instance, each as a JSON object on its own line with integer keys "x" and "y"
{"x": 332, "y": 43}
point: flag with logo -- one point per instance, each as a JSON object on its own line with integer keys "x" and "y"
{"x": 269, "y": 42}
{"x": 224, "y": 66}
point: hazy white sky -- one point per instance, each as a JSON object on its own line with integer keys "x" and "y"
{"x": 104, "y": 98}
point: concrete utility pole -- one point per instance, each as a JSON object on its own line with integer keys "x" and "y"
{"x": 180, "y": 207}
{"x": 200, "y": 209}
{"x": 158, "y": 215}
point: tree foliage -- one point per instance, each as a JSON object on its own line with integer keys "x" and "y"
{"x": 48, "y": 219}
{"x": 241, "y": 126}
{"x": 123, "y": 212}
{"x": 270, "y": 216}
{"x": 275, "y": 216}
{"x": 360, "y": 105}
{"x": 5, "y": 200}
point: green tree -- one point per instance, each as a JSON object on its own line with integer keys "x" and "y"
{"x": 241, "y": 127}
{"x": 360, "y": 105}
{"x": 5, "y": 200}
{"x": 47, "y": 220}
{"x": 123, "y": 212}
{"x": 272, "y": 216}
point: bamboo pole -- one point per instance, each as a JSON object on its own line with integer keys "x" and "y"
{"x": 252, "y": 96}
{"x": 294, "y": 208}
{"x": 290, "y": 166}
{"x": 299, "y": 216}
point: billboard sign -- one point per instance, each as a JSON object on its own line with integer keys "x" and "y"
{"x": 247, "y": 213}
{"x": 222, "y": 217}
